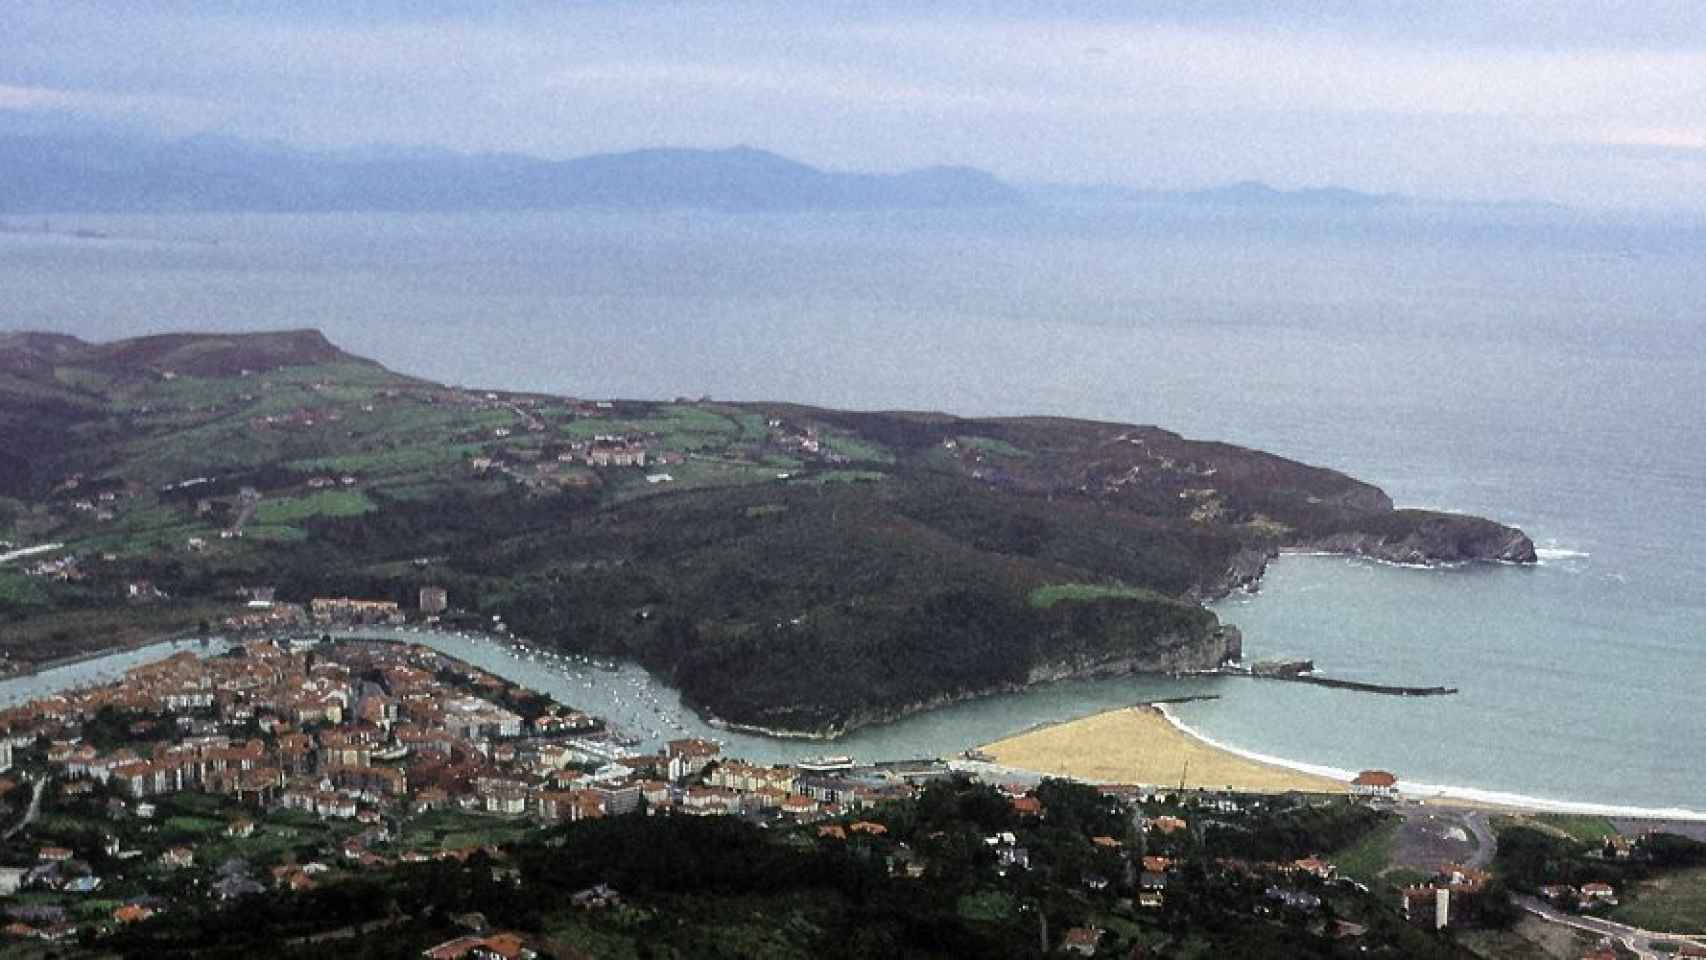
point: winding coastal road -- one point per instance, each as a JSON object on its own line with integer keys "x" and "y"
{"x": 30, "y": 814}
{"x": 1486, "y": 843}
{"x": 1636, "y": 939}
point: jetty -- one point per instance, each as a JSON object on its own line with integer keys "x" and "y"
{"x": 1303, "y": 671}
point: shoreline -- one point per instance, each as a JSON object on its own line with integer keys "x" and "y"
{"x": 1450, "y": 794}
{"x": 1138, "y": 744}
{"x": 1411, "y": 790}
{"x": 38, "y": 668}
{"x": 1106, "y": 747}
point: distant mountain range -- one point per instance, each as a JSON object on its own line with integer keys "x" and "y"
{"x": 115, "y": 172}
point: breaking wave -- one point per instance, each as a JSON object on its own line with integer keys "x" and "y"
{"x": 1412, "y": 788}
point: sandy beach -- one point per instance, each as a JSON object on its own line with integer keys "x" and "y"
{"x": 1138, "y": 745}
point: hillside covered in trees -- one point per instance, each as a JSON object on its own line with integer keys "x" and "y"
{"x": 744, "y": 551}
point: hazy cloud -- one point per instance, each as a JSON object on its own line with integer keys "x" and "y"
{"x": 1443, "y": 98}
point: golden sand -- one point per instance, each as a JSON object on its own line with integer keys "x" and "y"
{"x": 1139, "y": 745}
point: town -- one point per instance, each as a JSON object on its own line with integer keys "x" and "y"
{"x": 292, "y": 762}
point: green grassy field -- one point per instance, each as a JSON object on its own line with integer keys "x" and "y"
{"x": 1675, "y": 903}
{"x": 855, "y": 449}
{"x": 1364, "y": 860}
{"x": 275, "y": 533}
{"x": 326, "y": 503}
{"x": 1588, "y": 829}
{"x": 695, "y": 474}
{"x": 688, "y": 428}
{"x": 457, "y": 830}
{"x": 404, "y": 460}
{"x": 987, "y": 906}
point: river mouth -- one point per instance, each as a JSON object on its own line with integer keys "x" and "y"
{"x": 641, "y": 706}
{"x": 1356, "y": 619}
{"x": 650, "y": 713}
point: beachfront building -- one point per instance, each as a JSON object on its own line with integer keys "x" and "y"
{"x": 1375, "y": 783}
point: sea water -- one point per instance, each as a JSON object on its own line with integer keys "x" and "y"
{"x": 1540, "y": 367}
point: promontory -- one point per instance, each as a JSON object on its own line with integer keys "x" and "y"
{"x": 786, "y": 567}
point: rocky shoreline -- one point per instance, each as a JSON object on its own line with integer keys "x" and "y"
{"x": 1439, "y": 540}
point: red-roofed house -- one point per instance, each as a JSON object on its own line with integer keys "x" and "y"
{"x": 497, "y": 946}
{"x": 1082, "y": 941}
{"x": 1316, "y": 866}
{"x": 1375, "y": 783}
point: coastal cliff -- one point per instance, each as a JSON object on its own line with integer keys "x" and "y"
{"x": 1175, "y": 654}
{"x": 1427, "y": 538}
{"x": 1418, "y": 538}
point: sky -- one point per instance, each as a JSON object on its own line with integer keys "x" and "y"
{"x": 1597, "y": 104}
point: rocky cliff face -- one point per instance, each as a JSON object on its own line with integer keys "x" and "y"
{"x": 1427, "y": 537}
{"x": 1170, "y": 654}
{"x": 1243, "y": 572}
{"x": 1174, "y": 653}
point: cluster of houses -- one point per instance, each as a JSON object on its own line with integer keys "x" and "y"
{"x": 611, "y": 451}
{"x": 802, "y": 440}
{"x": 329, "y": 742}
{"x": 643, "y": 450}
{"x": 347, "y": 610}
{"x": 65, "y": 569}
{"x": 263, "y": 613}
{"x": 364, "y": 730}
{"x": 301, "y": 418}
{"x": 1450, "y": 898}
{"x": 1587, "y": 897}
{"x": 101, "y": 507}
{"x": 566, "y": 470}
{"x": 690, "y": 777}
{"x": 794, "y": 438}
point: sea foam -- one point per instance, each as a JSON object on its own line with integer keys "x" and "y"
{"x": 1412, "y": 788}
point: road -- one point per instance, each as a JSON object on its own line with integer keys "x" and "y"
{"x": 1636, "y": 939}
{"x": 34, "y": 809}
{"x": 1486, "y": 844}
{"x": 29, "y": 551}
{"x": 1432, "y": 836}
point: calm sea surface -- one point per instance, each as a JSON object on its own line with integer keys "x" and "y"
{"x": 1540, "y": 368}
